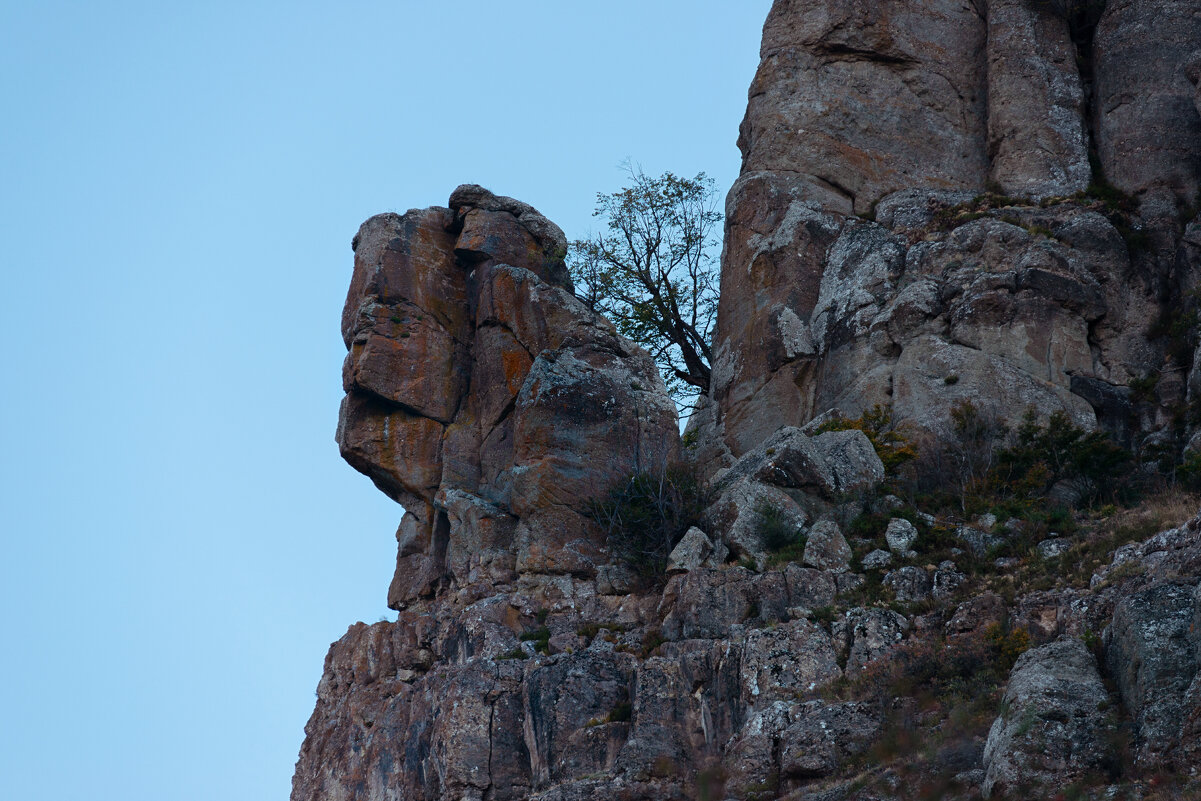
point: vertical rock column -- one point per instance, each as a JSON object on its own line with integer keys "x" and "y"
{"x": 1036, "y": 135}
{"x": 1147, "y": 125}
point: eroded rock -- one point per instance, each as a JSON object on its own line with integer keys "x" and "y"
{"x": 1054, "y": 727}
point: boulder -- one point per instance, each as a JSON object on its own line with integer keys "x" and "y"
{"x": 909, "y": 583}
{"x": 1054, "y": 728}
{"x": 791, "y": 658}
{"x": 1152, "y": 653}
{"x": 1052, "y": 547}
{"x": 826, "y": 548}
{"x": 692, "y": 551}
{"x": 737, "y": 516}
{"x": 868, "y": 634}
{"x": 900, "y": 535}
{"x": 877, "y": 560}
{"x": 822, "y": 736}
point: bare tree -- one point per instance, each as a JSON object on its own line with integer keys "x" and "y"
{"x": 652, "y": 271}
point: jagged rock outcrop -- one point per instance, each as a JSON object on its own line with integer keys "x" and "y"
{"x": 909, "y": 229}
{"x": 479, "y": 391}
{"x": 947, "y": 294}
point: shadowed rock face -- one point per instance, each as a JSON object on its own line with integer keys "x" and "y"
{"x": 478, "y": 391}
{"x": 1146, "y": 118}
{"x": 856, "y": 270}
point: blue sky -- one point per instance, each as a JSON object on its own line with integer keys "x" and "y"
{"x": 178, "y": 190}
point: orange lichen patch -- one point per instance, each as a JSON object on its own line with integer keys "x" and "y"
{"x": 515, "y": 363}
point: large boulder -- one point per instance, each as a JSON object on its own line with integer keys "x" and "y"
{"x": 1152, "y": 650}
{"x": 1054, "y": 728}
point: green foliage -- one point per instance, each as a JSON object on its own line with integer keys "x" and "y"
{"x": 646, "y": 515}
{"x": 1178, "y": 325}
{"x": 653, "y": 272}
{"x": 1143, "y": 389}
{"x": 1043, "y": 455}
{"x": 1188, "y": 473}
{"x": 774, "y": 529}
{"x": 892, "y": 446}
{"x": 540, "y": 637}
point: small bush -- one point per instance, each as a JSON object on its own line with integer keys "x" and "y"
{"x": 775, "y": 531}
{"x": 646, "y": 515}
{"x": 621, "y": 713}
{"x": 540, "y": 637}
{"x": 1042, "y": 456}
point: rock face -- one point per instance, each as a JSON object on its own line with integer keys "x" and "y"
{"x": 1154, "y": 645}
{"x": 1146, "y": 118}
{"x": 947, "y": 294}
{"x": 479, "y": 391}
{"x": 939, "y": 202}
{"x": 1054, "y": 727}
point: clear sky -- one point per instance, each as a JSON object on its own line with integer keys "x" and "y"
{"x": 179, "y": 184}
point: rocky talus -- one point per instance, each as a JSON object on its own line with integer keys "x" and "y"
{"x": 940, "y": 203}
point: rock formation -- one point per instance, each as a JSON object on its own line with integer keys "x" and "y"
{"x": 911, "y": 228}
{"x": 479, "y": 391}
{"x": 940, "y": 202}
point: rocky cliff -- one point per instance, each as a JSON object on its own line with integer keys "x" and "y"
{"x": 1006, "y": 193}
{"x": 940, "y": 203}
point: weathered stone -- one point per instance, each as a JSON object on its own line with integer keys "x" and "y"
{"x": 479, "y": 392}
{"x": 405, "y": 260}
{"x": 1053, "y": 547}
{"x": 826, "y": 548}
{"x": 705, "y": 603}
{"x": 791, "y": 658}
{"x": 809, "y": 588}
{"x": 1054, "y": 729}
{"x": 1147, "y": 125}
{"x": 822, "y": 736}
{"x": 869, "y": 634}
{"x": 978, "y": 542}
{"x": 737, "y": 514}
{"x": 690, "y": 552}
{"x": 921, "y": 392}
{"x": 1151, "y": 652}
{"x": 399, "y": 451}
{"x": 829, "y": 464}
{"x": 480, "y": 538}
{"x": 909, "y": 583}
{"x": 877, "y": 560}
{"x": 863, "y": 103}
{"x": 497, "y": 229}
{"x": 900, "y": 535}
{"x": 559, "y": 702}
{"x": 946, "y": 581}
{"x": 1036, "y": 132}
